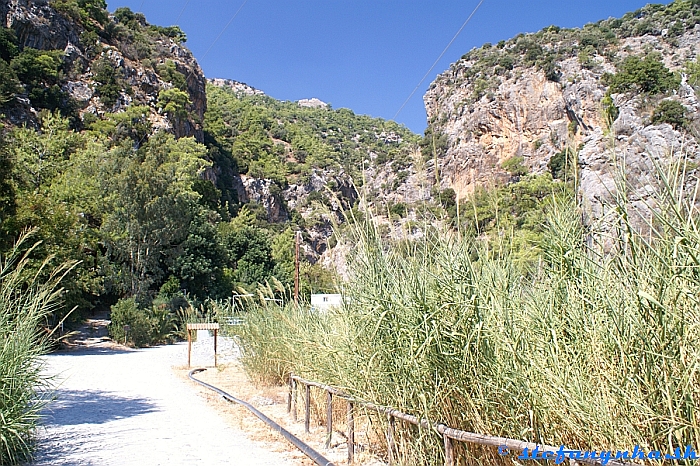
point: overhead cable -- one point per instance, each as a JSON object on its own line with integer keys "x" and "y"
{"x": 438, "y": 59}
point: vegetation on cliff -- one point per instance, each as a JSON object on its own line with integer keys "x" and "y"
{"x": 287, "y": 143}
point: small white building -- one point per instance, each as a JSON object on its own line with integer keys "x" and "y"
{"x": 323, "y": 302}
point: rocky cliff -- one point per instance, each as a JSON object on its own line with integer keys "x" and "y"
{"x": 588, "y": 95}
{"x": 108, "y": 62}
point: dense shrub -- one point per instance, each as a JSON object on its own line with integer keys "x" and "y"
{"x": 128, "y": 18}
{"x": 692, "y": 70}
{"x": 91, "y": 14}
{"x": 109, "y": 86}
{"x": 9, "y": 84}
{"x": 610, "y": 111}
{"x": 39, "y": 71}
{"x": 671, "y": 112}
{"x": 514, "y": 165}
{"x": 433, "y": 145}
{"x": 169, "y": 73}
{"x": 8, "y": 44}
{"x": 128, "y": 312}
{"x": 646, "y": 74}
{"x": 174, "y": 102}
{"x": 173, "y": 32}
{"x": 561, "y": 165}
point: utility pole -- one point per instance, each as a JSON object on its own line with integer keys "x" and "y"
{"x": 296, "y": 269}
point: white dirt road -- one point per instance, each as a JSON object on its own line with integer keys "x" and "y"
{"x": 126, "y": 407}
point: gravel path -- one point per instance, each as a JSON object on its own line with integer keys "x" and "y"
{"x": 118, "y": 407}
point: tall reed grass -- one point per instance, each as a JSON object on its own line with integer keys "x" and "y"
{"x": 588, "y": 349}
{"x": 26, "y": 302}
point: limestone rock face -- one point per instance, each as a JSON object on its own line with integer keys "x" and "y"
{"x": 313, "y": 103}
{"x": 239, "y": 88}
{"x": 525, "y": 114}
{"x": 262, "y": 192}
{"x": 38, "y": 25}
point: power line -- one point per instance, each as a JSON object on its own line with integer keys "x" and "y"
{"x": 438, "y": 59}
{"x": 224, "y": 29}
{"x": 187, "y": 78}
{"x": 141, "y": 7}
{"x": 181, "y": 11}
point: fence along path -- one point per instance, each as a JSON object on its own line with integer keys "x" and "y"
{"x": 449, "y": 434}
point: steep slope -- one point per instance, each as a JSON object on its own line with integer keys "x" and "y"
{"x": 75, "y": 57}
{"x": 303, "y": 161}
{"x": 617, "y": 89}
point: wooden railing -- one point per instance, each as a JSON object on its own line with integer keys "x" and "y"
{"x": 448, "y": 433}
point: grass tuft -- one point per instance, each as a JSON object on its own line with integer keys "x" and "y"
{"x": 26, "y": 302}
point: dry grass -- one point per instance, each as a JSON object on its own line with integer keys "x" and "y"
{"x": 272, "y": 401}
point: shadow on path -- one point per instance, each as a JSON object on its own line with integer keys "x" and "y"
{"x": 73, "y": 407}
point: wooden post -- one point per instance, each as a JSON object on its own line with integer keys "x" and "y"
{"x": 294, "y": 400}
{"x": 307, "y": 414}
{"x": 200, "y": 326}
{"x": 189, "y": 348}
{"x": 289, "y": 400}
{"x": 329, "y": 418}
{"x": 390, "y": 430}
{"x": 296, "y": 268}
{"x": 449, "y": 451}
{"x": 215, "y": 334}
{"x": 351, "y": 433}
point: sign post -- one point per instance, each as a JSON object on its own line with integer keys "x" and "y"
{"x": 206, "y": 326}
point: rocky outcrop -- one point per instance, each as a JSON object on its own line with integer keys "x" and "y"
{"x": 626, "y": 162}
{"x": 239, "y": 88}
{"x": 38, "y": 25}
{"x": 265, "y": 193}
{"x": 526, "y": 116}
{"x": 524, "y": 112}
{"x": 313, "y": 103}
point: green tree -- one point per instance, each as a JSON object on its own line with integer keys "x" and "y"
{"x": 94, "y": 10}
{"x": 201, "y": 258}
{"x": 41, "y": 156}
{"x": 7, "y": 187}
{"x": 169, "y": 73}
{"x": 109, "y": 86}
{"x": 283, "y": 251}
{"x": 131, "y": 124}
{"x": 8, "y": 44}
{"x": 174, "y": 103}
{"x": 249, "y": 253}
{"x": 151, "y": 203}
{"x": 9, "y": 84}
{"x": 43, "y": 202}
{"x": 174, "y": 32}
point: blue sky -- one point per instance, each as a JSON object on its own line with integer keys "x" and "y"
{"x": 366, "y": 55}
